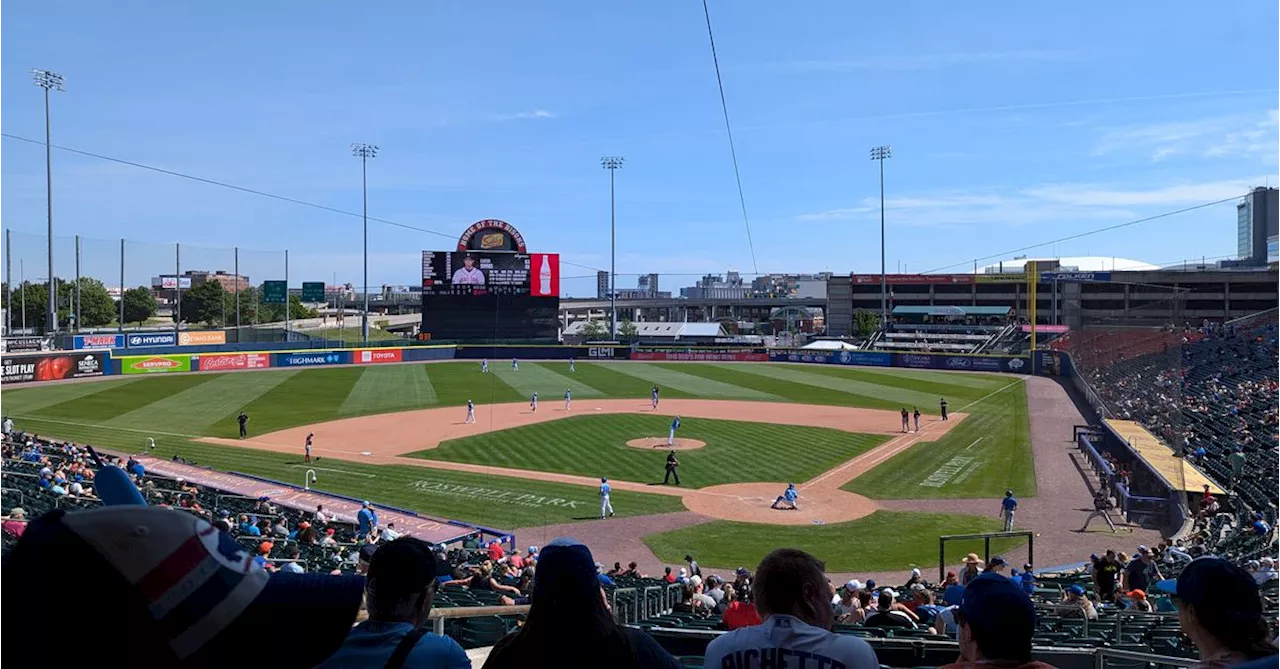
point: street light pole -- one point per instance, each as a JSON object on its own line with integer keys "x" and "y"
{"x": 880, "y": 154}
{"x": 49, "y": 81}
{"x": 365, "y": 152}
{"x": 612, "y": 163}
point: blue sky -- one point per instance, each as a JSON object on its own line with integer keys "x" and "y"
{"x": 1011, "y": 124}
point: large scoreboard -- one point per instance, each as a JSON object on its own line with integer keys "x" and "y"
{"x": 490, "y": 289}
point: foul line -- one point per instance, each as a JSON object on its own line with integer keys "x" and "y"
{"x": 102, "y": 426}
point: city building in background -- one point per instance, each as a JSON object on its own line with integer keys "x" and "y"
{"x": 602, "y": 285}
{"x": 1256, "y": 227}
{"x": 648, "y": 284}
{"x": 791, "y": 285}
{"x": 717, "y": 287}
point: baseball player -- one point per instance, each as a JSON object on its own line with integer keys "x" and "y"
{"x": 515, "y": 365}
{"x": 243, "y": 420}
{"x": 484, "y": 366}
{"x": 672, "y": 464}
{"x": 306, "y": 449}
{"x": 605, "y": 506}
{"x": 471, "y": 412}
{"x": 653, "y": 397}
{"x": 533, "y": 403}
{"x": 906, "y": 421}
{"x": 916, "y": 415}
{"x": 675, "y": 425}
{"x": 1101, "y": 503}
{"x": 571, "y": 367}
{"x": 942, "y": 405}
{"x": 788, "y": 497}
{"x": 1009, "y": 507}
{"x": 568, "y": 398}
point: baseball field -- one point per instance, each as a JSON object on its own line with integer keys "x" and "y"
{"x": 871, "y": 497}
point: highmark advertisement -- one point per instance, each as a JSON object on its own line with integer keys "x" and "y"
{"x": 154, "y": 364}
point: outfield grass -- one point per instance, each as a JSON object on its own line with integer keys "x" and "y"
{"x": 883, "y": 541}
{"x": 595, "y": 445}
{"x": 987, "y": 453}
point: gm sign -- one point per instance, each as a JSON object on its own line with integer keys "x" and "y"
{"x": 599, "y": 352}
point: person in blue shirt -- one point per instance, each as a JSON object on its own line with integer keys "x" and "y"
{"x": 366, "y": 518}
{"x": 1027, "y": 581}
{"x": 788, "y": 497}
{"x": 1008, "y": 506}
{"x": 400, "y": 585}
{"x": 1260, "y": 526}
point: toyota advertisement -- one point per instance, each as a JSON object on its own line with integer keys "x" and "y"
{"x": 154, "y": 364}
{"x": 53, "y": 367}
{"x": 226, "y": 362}
{"x": 374, "y": 356}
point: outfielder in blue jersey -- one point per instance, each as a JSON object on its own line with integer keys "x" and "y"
{"x": 605, "y": 506}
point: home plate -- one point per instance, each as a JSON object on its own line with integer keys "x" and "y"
{"x": 599, "y": 409}
{"x": 366, "y": 453}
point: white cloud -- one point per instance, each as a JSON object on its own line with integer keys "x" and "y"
{"x": 523, "y": 116}
{"x": 1235, "y": 135}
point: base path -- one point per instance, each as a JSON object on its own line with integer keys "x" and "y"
{"x": 386, "y": 438}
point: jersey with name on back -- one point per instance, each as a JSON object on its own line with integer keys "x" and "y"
{"x": 788, "y": 641}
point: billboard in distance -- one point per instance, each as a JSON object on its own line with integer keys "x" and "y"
{"x": 23, "y": 344}
{"x": 490, "y": 273}
{"x": 145, "y": 339}
{"x": 373, "y": 356}
{"x": 211, "y": 337}
{"x": 97, "y": 341}
{"x": 53, "y": 366}
{"x": 218, "y": 362}
{"x": 154, "y": 364}
{"x": 312, "y": 359}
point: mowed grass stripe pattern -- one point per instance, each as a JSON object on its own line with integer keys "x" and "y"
{"x": 908, "y": 377}
{"x": 595, "y": 445}
{"x": 204, "y": 405}
{"x": 120, "y": 398}
{"x": 26, "y": 403}
{"x": 987, "y": 453}
{"x": 697, "y": 386}
{"x": 790, "y": 390}
{"x": 389, "y": 388}
{"x": 889, "y": 393}
{"x": 534, "y": 378}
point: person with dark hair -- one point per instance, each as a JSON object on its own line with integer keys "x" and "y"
{"x": 1220, "y": 609}
{"x": 569, "y": 623}
{"x": 793, "y": 597}
{"x": 995, "y": 620}
{"x": 398, "y": 591}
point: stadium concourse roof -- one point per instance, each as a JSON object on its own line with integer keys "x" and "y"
{"x": 1074, "y": 264}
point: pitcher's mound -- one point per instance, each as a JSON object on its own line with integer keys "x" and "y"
{"x": 656, "y": 443}
{"x": 749, "y": 502}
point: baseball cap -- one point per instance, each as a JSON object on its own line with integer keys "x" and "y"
{"x": 997, "y": 561}
{"x": 853, "y": 585}
{"x": 1212, "y": 584}
{"x": 994, "y": 604}
{"x": 183, "y": 593}
{"x": 915, "y": 572}
{"x": 742, "y": 571}
{"x": 565, "y": 569}
{"x": 1075, "y": 589}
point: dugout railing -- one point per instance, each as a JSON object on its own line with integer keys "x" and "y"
{"x": 986, "y": 538}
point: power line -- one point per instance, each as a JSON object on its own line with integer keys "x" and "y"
{"x": 1109, "y": 228}
{"x": 250, "y": 191}
{"x": 733, "y": 153}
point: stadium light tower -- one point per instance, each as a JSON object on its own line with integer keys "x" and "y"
{"x": 364, "y": 152}
{"x": 49, "y": 81}
{"x": 881, "y": 154}
{"x": 612, "y": 163}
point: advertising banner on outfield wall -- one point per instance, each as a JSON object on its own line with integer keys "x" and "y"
{"x": 311, "y": 359}
{"x": 154, "y": 364}
{"x": 53, "y": 366}
{"x": 79, "y": 342}
{"x": 373, "y": 356}
{"x": 859, "y": 358}
{"x": 972, "y": 363}
{"x": 23, "y": 344}
{"x": 214, "y": 337}
{"x": 145, "y": 339}
{"x": 222, "y": 362}
{"x": 701, "y": 356}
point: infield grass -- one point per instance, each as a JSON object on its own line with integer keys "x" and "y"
{"x": 882, "y": 541}
{"x": 595, "y": 445}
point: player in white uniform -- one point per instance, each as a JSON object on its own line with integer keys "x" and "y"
{"x": 471, "y": 412}
{"x": 533, "y": 403}
{"x": 571, "y": 367}
{"x": 605, "y": 506}
{"x": 568, "y": 398}
{"x": 468, "y": 274}
{"x": 515, "y": 365}
{"x": 793, "y": 598}
{"x": 484, "y": 366}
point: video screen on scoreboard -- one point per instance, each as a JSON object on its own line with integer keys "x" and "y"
{"x": 490, "y": 273}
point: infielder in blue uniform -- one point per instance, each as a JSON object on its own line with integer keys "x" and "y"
{"x": 568, "y": 398}
{"x": 515, "y": 365}
{"x": 675, "y": 425}
{"x": 533, "y": 403}
{"x": 788, "y": 497}
{"x": 605, "y": 506}
{"x": 653, "y": 396}
{"x": 1008, "y": 507}
{"x": 484, "y": 366}
{"x": 471, "y": 412}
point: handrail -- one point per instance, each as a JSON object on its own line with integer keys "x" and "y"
{"x": 438, "y": 616}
